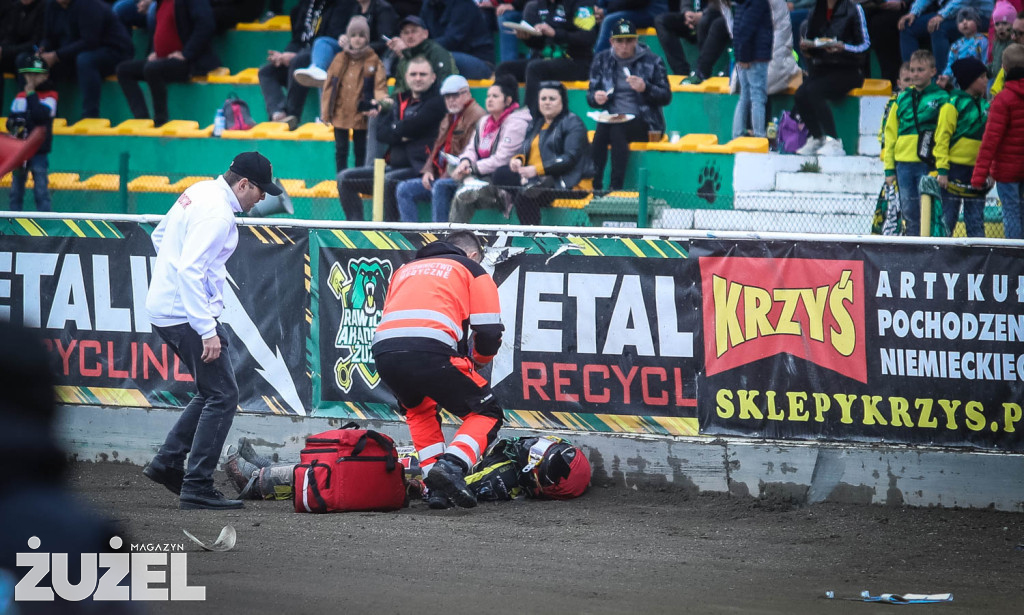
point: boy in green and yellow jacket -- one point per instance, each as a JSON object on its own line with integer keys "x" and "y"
{"x": 957, "y": 141}
{"x": 916, "y": 112}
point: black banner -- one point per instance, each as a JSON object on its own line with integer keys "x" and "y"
{"x": 584, "y": 335}
{"x": 870, "y": 342}
{"x": 86, "y": 294}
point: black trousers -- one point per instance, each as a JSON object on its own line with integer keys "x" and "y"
{"x": 280, "y": 90}
{"x": 341, "y": 148}
{"x": 201, "y": 430}
{"x": 528, "y": 201}
{"x": 352, "y": 182}
{"x": 885, "y": 41}
{"x": 711, "y": 36}
{"x": 535, "y": 70}
{"x": 157, "y": 73}
{"x": 820, "y": 86}
{"x": 618, "y": 136}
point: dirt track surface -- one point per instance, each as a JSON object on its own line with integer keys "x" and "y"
{"x": 611, "y": 551}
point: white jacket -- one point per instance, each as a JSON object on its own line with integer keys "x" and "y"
{"x": 193, "y": 242}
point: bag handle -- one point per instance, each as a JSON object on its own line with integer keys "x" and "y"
{"x": 311, "y": 480}
{"x": 385, "y": 442}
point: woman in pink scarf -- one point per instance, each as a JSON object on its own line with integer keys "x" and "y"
{"x": 499, "y": 134}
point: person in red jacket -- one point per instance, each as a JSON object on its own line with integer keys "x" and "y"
{"x": 1002, "y": 147}
{"x": 441, "y": 322}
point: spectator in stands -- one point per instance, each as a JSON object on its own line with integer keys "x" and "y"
{"x": 136, "y": 14}
{"x": 972, "y": 44}
{"x": 408, "y": 127}
{"x": 561, "y": 47}
{"x": 35, "y": 106}
{"x": 554, "y": 160}
{"x": 83, "y": 39}
{"x": 916, "y": 112}
{"x": 834, "y": 40}
{"x": 783, "y": 67}
{"x": 382, "y": 20}
{"x": 21, "y": 29}
{"x": 628, "y": 79}
{"x": 1001, "y": 156}
{"x": 905, "y": 81}
{"x": 284, "y": 97}
{"x": 707, "y": 28}
{"x": 640, "y": 13}
{"x": 798, "y": 13}
{"x": 752, "y": 37}
{"x": 460, "y": 27}
{"x": 455, "y": 132}
{"x": 510, "y": 11}
{"x": 957, "y": 141}
{"x": 498, "y": 137}
{"x": 1017, "y": 36}
{"x": 1000, "y": 35}
{"x": 181, "y": 48}
{"x": 356, "y": 83}
{"x": 938, "y": 23}
{"x": 882, "y": 17}
{"x": 406, "y": 8}
{"x": 414, "y": 41}
{"x": 229, "y": 13}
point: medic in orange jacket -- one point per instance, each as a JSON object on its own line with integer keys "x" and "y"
{"x": 434, "y": 301}
{"x": 441, "y": 320}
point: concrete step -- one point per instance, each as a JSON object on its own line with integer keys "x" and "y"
{"x": 757, "y": 171}
{"x": 819, "y": 204}
{"x": 869, "y": 146}
{"x": 719, "y": 220}
{"x": 851, "y": 164}
{"x": 845, "y": 183}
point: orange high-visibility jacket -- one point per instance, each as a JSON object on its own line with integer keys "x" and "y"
{"x": 433, "y": 303}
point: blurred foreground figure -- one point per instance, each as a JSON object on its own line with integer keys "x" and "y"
{"x": 36, "y": 506}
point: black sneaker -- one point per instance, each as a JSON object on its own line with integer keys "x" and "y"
{"x": 209, "y": 499}
{"x": 438, "y": 501}
{"x": 168, "y": 477}
{"x": 447, "y": 478}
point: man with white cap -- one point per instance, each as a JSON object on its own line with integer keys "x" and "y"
{"x": 193, "y": 243}
{"x": 455, "y": 132}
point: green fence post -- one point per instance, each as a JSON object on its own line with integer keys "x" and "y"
{"x": 641, "y": 214}
{"x": 122, "y": 171}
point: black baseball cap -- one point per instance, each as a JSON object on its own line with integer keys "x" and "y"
{"x": 411, "y": 19}
{"x": 256, "y": 168}
{"x": 624, "y": 29}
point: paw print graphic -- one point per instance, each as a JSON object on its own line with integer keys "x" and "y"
{"x": 709, "y": 182}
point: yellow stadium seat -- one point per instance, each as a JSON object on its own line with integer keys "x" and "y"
{"x": 176, "y": 128}
{"x": 134, "y": 127}
{"x": 325, "y": 189}
{"x": 185, "y": 182}
{"x": 573, "y": 203}
{"x": 220, "y": 71}
{"x": 149, "y": 183}
{"x": 646, "y": 31}
{"x": 686, "y": 143}
{"x": 280, "y": 23}
{"x": 296, "y": 188}
{"x": 314, "y": 131}
{"x": 103, "y": 182}
{"x": 63, "y": 181}
{"x": 248, "y": 76}
{"x": 873, "y": 87}
{"x": 576, "y": 85}
{"x": 88, "y": 126}
{"x": 756, "y": 145}
{"x": 713, "y": 85}
{"x": 480, "y": 83}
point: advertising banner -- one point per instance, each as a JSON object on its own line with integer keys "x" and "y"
{"x": 83, "y": 284}
{"x": 862, "y": 342}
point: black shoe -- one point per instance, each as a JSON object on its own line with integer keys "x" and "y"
{"x": 210, "y": 499}
{"x": 438, "y": 501}
{"x": 168, "y": 477}
{"x": 446, "y": 477}
{"x": 267, "y": 16}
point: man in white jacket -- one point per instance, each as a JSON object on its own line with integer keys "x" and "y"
{"x": 193, "y": 242}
